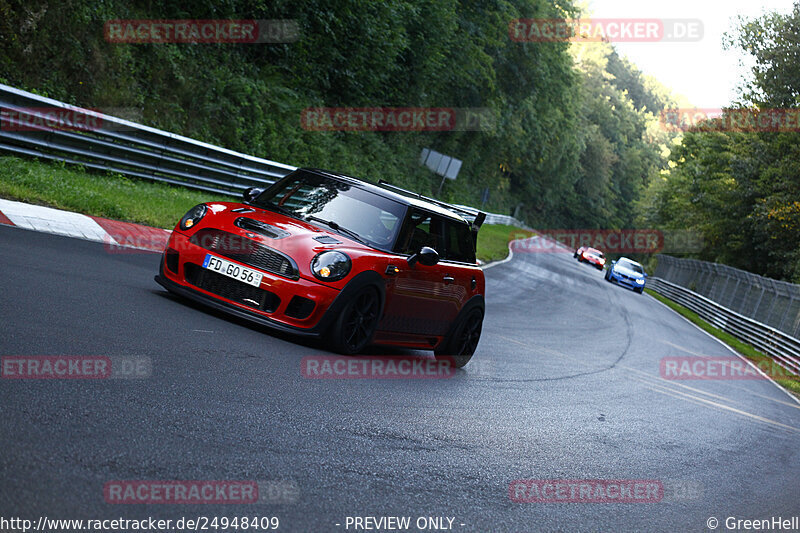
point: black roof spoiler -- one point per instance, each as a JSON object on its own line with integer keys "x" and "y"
{"x": 472, "y": 215}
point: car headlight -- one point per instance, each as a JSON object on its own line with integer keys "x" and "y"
{"x": 194, "y": 216}
{"x": 330, "y": 265}
{"x": 640, "y": 281}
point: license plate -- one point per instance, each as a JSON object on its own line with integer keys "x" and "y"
{"x": 232, "y": 270}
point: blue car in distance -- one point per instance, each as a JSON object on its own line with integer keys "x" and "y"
{"x": 627, "y": 272}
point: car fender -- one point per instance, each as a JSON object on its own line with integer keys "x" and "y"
{"x": 361, "y": 280}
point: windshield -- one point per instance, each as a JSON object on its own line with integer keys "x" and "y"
{"x": 334, "y": 204}
{"x": 630, "y": 265}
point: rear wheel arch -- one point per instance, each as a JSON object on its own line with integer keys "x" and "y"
{"x": 477, "y": 302}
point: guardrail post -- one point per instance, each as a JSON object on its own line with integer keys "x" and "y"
{"x": 786, "y": 312}
{"x": 725, "y": 288}
{"x": 733, "y": 293}
{"x": 758, "y": 302}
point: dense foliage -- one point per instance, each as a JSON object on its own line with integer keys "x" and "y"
{"x": 572, "y": 146}
{"x": 740, "y": 187}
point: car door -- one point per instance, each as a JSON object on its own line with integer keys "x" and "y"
{"x": 458, "y": 265}
{"x": 419, "y": 300}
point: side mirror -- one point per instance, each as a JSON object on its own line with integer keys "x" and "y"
{"x": 426, "y": 256}
{"x": 250, "y": 194}
{"x": 645, "y": 274}
{"x": 613, "y": 263}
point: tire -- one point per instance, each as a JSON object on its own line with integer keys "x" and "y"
{"x": 640, "y": 290}
{"x": 608, "y": 276}
{"x": 461, "y": 345}
{"x": 353, "y": 329}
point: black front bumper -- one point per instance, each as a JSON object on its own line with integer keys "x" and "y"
{"x": 231, "y": 309}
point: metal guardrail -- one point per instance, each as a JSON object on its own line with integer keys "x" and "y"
{"x": 768, "y": 301}
{"x": 783, "y": 348}
{"x": 131, "y": 149}
{"x": 492, "y": 218}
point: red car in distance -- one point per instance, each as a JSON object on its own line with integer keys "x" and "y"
{"x": 327, "y": 255}
{"x": 592, "y": 256}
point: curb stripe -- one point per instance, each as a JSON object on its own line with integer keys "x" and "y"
{"x": 135, "y": 236}
{"x": 49, "y": 220}
{"x": 5, "y": 220}
{"x": 116, "y": 235}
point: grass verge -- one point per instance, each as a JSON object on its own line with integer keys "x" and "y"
{"x": 69, "y": 187}
{"x": 759, "y": 358}
{"x": 493, "y": 241}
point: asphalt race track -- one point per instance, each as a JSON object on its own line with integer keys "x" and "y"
{"x": 565, "y": 385}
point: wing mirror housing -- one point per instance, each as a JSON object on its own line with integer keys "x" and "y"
{"x": 426, "y": 256}
{"x": 250, "y": 194}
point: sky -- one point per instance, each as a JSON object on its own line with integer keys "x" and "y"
{"x": 702, "y": 71}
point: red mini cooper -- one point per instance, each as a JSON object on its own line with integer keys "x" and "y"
{"x": 322, "y": 254}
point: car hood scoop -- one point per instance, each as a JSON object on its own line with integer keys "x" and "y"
{"x": 262, "y": 228}
{"x": 327, "y": 239}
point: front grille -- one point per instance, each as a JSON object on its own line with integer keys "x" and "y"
{"x": 245, "y": 251}
{"x": 231, "y": 289}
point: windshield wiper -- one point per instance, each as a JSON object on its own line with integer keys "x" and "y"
{"x": 279, "y": 208}
{"x": 336, "y": 227}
